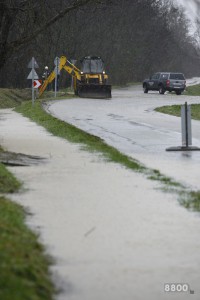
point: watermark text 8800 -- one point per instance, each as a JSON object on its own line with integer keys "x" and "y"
{"x": 176, "y": 288}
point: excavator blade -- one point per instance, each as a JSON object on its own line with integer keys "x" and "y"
{"x": 94, "y": 91}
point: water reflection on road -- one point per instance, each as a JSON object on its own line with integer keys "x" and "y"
{"x": 129, "y": 123}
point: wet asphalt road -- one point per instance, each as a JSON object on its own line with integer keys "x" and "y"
{"x": 129, "y": 123}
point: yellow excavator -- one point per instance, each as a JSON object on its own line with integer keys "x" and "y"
{"x": 88, "y": 82}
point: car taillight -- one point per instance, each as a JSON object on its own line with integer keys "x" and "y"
{"x": 168, "y": 82}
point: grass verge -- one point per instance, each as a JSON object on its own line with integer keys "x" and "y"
{"x": 175, "y": 110}
{"x": 23, "y": 265}
{"x": 13, "y": 97}
{"x": 193, "y": 90}
{"x": 8, "y": 182}
{"x": 93, "y": 143}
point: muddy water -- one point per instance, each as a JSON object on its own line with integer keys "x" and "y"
{"x": 112, "y": 233}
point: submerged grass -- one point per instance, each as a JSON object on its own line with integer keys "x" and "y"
{"x": 190, "y": 200}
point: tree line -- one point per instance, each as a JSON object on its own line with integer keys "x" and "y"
{"x": 134, "y": 37}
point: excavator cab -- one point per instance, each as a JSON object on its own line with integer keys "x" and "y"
{"x": 92, "y": 65}
{"x": 93, "y": 82}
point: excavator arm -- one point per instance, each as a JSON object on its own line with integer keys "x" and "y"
{"x": 67, "y": 66}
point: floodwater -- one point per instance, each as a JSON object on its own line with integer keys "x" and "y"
{"x": 112, "y": 233}
{"x": 129, "y": 123}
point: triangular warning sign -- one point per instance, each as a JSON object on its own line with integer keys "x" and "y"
{"x": 33, "y": 64}
{"x": 32, "y": 75}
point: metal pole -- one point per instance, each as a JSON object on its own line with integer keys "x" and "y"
{"x": 33, "y": 81}
{"x": 186, "y": 124}
{"x": 72, "y": 62}
{"x": 56, "y": 77}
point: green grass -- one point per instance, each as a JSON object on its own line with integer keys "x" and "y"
{"x": 8, "y": 182}
{"x": 175, "y": 110}
{"x": 13, "y": 97}
{"x": 23, "y": 264}
{"x": 193, "y": 90}
{"x": 190, "y": 200}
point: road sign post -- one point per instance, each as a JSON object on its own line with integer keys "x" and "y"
{"x": 56, "y": 62}
{"x": 186, "y": 125}
{"x": 33, "y": 75}
{"x": 73, "y": 61}
{"x": 33, "y": 91}
{"x": 186, "y": 129}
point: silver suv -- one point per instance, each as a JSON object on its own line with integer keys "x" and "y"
{"x": 165, "y": 81}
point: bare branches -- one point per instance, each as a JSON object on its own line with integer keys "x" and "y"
{"x": 13, "y": 8}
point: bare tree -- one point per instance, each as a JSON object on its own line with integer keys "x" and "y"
{"x": 21, "y": 21}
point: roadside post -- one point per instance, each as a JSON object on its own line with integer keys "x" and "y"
{"x": 186, "y": 125}
{"x": 33, "y": 75}
{"x": 56, "y": 63}
{"x": 73, "y": 61}
{"x": 186, "y": 129}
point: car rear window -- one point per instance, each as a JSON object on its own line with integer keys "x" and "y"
{"x": 177, "y": 76}
{"x": 164, "y": 76}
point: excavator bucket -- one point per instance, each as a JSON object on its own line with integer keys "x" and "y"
{"x": 99, "y": 91}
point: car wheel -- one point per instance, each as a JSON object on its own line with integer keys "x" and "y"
{"x": 161, "y": 90}
{"x": 145, "y": 89}
{"x": 178, "y": 92}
